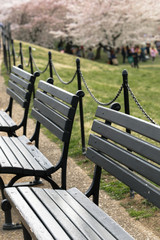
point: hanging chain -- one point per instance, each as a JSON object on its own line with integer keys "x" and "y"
{"x": 140, "y": 107}
{"x": 91, "y": 94}
{"x": 37, "y": 67}
{"x": 17, "y": 55}
{"x": 94, "y": 98}
{"x": 26, "y": 64}
{"x": 60, "y": 79}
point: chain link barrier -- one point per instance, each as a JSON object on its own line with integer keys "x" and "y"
{"x": 139, "y": 105}
{"x": 26, "y": 64}
{"x": 89, "y": 91}
{"x": 60, "y": 79}
{"x": 38, "y": 68}
{"x": 95, "y": 99}
{"x": 17, "y": 55}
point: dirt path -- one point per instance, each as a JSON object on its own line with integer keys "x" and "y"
{"x": 76, "y": 177}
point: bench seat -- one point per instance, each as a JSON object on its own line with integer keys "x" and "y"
{"x": 20, "y": 156}
{"x": 6, "y": 122}
{"x": 60, "y": 214}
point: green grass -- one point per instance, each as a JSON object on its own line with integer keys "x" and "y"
{"x": 115, "y": 189}
{"x": 137, "y": 214}
{"x": 140, "y": 208}
{"x": 104, "y": 81}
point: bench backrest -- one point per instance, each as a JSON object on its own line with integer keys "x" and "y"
{"x": 133, "y": 158}
{"x": 20, "y": 88}
{"x": 55, "y": 109}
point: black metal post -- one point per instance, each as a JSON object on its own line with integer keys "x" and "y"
{"x": 9, "y": 55}
{"x": 126, "y": 98}
{"x": 13, "y": 53}
{"x": 30, "y": 60}
{"x": 3, "y": 43}
{"x": 50, "y": 64}
{"x": 127, "y": 110}
{"x": 5, "y": 53}
{"x": 21, "y": 54}
{"x": 9, "y": 32}
{"x": 31, "y": 67}
{"x": 81, "y": 107}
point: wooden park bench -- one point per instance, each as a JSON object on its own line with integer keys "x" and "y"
{"x": 126, "y": 147}
{"x": 55, "y": 109}
{"x": 20, "y": 88}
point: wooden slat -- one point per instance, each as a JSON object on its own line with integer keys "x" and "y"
{"x": 63, "y": 136}
{"x": 6, "y": 120}
{"x": 56, "y": 104}
{"x": 27, "y": 216}
{"x": 21, "y": 73}
{"x": 59, "y": 93}
{"x": 127, "y": 140}
{"x": 3, "y": 122}
{"x": 10, "y": 156}
{"x": 105, "y": 220}
{"x": 139, "y": 185}
{"x": 126, "y": 158}
{"x": 17, "y": 98}
{"x": 18, "y": 154}
{"x": 29, "y": 155}
{"x": 58, "y": 214}
{"x": 18, "y": 90}
{"x": 140, "y": 126}
{"x": 52, "y": 115}
{"x": 72, "y": 214}
{"x": 26, "y": 85}
{"x": 24, "y": 157}
{"x": 40, "y": 158}
{"x": 86, "y": 216}
{"x": 52, "y": 225}
{"x": 4, "y": 163}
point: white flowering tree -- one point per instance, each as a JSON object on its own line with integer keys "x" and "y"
{"x": 34, "y": 21}
{"x": 111, "y": 22}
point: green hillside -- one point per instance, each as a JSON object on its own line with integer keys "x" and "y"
{"x": 103, "y": 81}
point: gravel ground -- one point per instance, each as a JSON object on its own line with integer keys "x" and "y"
{"x": 75, "y": 177}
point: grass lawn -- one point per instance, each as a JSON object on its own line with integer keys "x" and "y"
{"x": 104, "y": 81}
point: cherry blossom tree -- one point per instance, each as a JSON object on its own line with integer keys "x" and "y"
{"x": 88, "y": 23}
{"x": 114, "y": 22}
{"x": 34, "y": 21}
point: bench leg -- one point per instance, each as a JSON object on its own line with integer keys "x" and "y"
{"x": 131, "y": 193}
{"x": 26, "y": 235}
{"x": 36, "y": 181}
{"x": 8, "y": 225}
{"x": 6, "y": 207}
{"x": 2, "y": 186}
{"x": 11, "y": 134}
{"x": 53, "y": 184}
{"x": 63, "y": 177}
{"x": 94, "y": 187}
